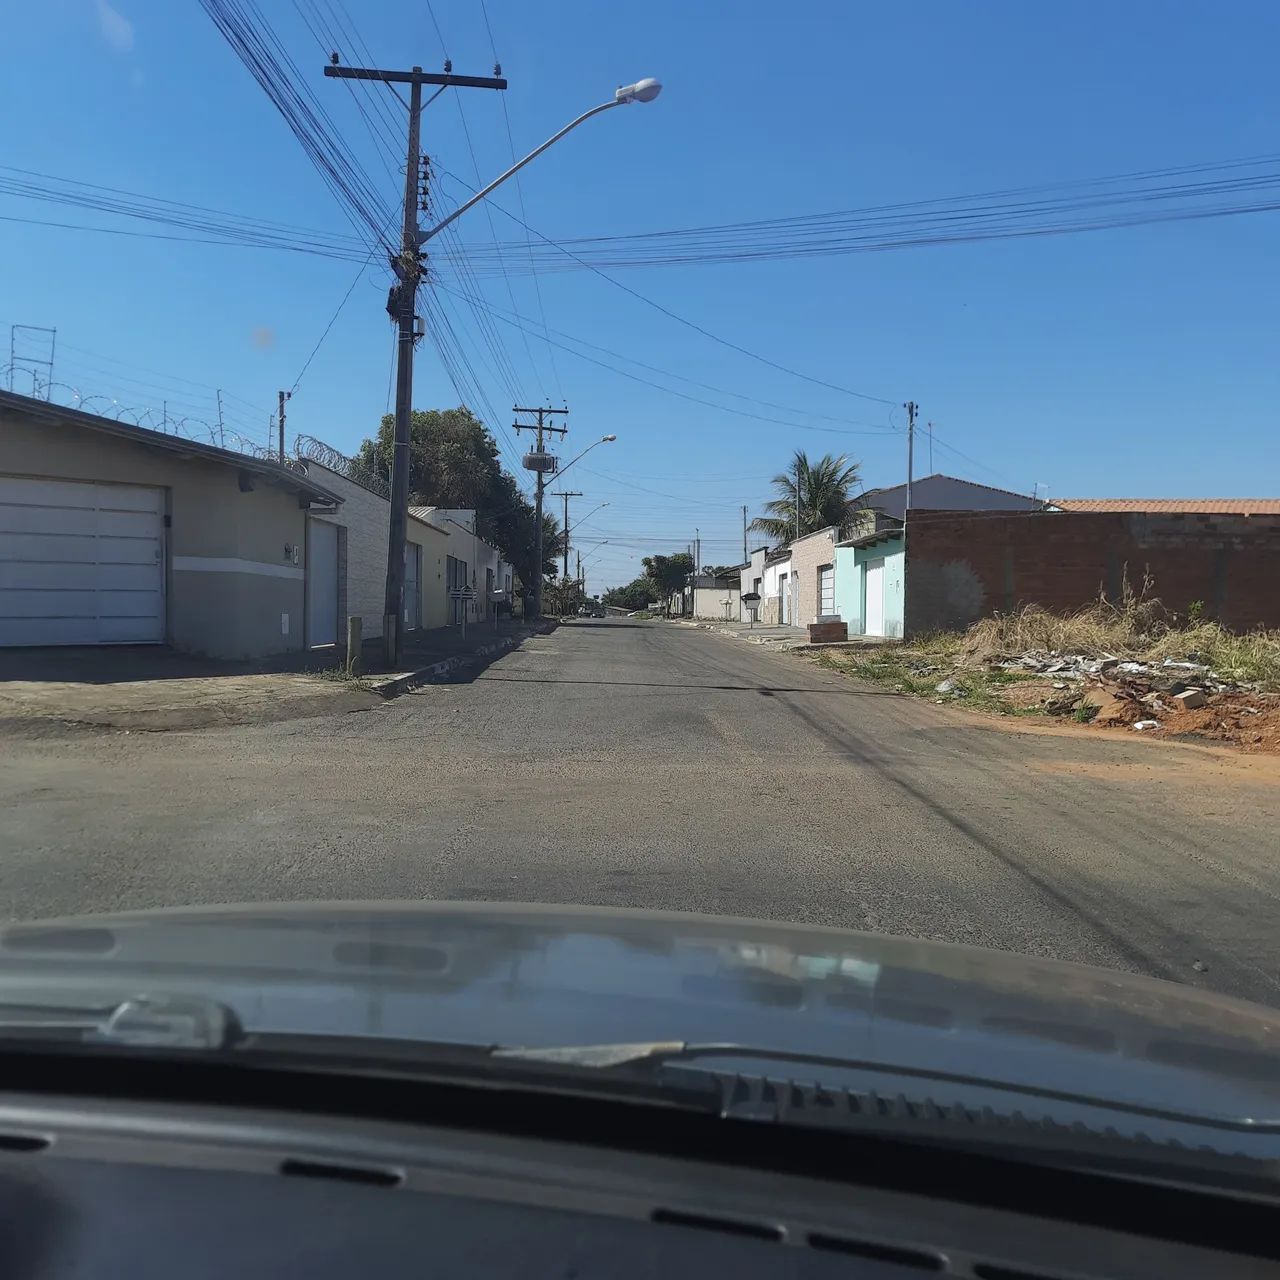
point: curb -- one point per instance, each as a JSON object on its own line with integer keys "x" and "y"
{"x": 396, "y": 685}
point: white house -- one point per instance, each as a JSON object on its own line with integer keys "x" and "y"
{"x": 472, "y": 563}
{"x": 751, "y": 582}
{"x": 775, "y": 602}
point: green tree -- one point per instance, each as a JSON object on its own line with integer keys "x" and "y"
{"x": 667, "y": 573}
{"x": 454, "y": 462}
{"x": 824, "y": 487}
{"x": 635, "y": 595}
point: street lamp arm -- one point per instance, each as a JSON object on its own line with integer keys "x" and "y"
{"x": 581, "y": 519}
{"x": 603, "y": 440}
{"x": 424, "y": 236}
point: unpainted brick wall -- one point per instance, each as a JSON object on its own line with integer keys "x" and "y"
{"x": 961, "y": 566}
{"x": 807, "y": 555}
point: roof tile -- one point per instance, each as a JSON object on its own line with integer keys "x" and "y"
{"x": 1175, "y": 506}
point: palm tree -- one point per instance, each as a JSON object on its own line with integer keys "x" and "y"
{"x": 824, "y": 488}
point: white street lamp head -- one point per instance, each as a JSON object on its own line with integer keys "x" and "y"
{"x": 642, "y": 91}
{"x": 607, "y": 439}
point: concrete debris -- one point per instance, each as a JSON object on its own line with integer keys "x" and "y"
{"x": 1146, "y": 724}
{"x": 944, "y": 686}
{"x": 1191, "y": 698}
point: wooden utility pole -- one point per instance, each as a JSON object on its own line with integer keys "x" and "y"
{"x": 408, "y": 267}
{"x": 566, "y": 495}
{"x": 542, "y": 463}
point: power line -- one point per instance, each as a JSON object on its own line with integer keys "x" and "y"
{"x": 666, "y": 311}
{"x": 742, "y": 413}
{"x": 706, "y": 386}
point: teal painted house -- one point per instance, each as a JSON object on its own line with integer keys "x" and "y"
{"x": 870, "y": 582}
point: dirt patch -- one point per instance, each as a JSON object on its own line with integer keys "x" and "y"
{"x": 1031, "y": 695}
{"x": 1248, "y": 721}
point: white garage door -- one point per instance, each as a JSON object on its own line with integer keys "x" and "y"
{"x": 80, "y": 563}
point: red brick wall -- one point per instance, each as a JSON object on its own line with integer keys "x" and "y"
{"x": 963, "y": 565}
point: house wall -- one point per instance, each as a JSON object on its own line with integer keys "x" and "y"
{"x": 807, "y": 554}
{"x": 231, "y": 589}
{"x": 770, "y": 610}
{"x": 366, "y": 517}
{"x": 851, "y": 565}
{"x": 746, "y": 582}
{"x": 961, "y": 566}
{"x": 718, "y": 604}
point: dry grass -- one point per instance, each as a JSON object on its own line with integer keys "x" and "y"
{"x": 1138, "y": 626}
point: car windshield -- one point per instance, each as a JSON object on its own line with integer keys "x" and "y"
{"x": 522, "y": 534}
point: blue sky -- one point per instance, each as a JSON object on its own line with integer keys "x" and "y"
{"x": 1132, "y": 361}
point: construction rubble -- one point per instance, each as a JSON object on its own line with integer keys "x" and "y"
{"x": 1168, "y": 698}
{"x": 1120, "y": 690}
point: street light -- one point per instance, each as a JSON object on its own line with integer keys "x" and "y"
{"x": 409, "y": 269}
{"x": 642, "y": 91}
{"x": 609, "y": 439}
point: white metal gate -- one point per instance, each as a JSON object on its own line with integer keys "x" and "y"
{"x": 80, "y": 563}
{"x": 322, "y": 584}
{"x": 826, "y": 591}
{"x": 873, "y": 616}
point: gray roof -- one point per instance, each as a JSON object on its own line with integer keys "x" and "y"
{"x": 941, "y": 492}
{"x": 286, "y": 477}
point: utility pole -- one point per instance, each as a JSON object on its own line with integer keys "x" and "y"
{"x": 284, "y": 395}
{"x": 910, "y": 407}
{"x": 542, "y": 464}
{"x": 401, "y": 304}
{"x": 746, "y": 555}
{"x": 566, "y": 495}
{"x": 930, "y": 426}
{"x": 222, "y": 439}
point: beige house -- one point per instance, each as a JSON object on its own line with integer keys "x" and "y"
{"x": 813, "y": 576}
{"x": 115, "y": 534}
{"x": 348, "y": 552}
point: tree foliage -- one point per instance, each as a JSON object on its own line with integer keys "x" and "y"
{"x": 635, "y": 595}
{"x": 668, "y": 573}
{"x": 825, "y": 488}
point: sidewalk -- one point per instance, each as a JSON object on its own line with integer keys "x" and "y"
{"x": 431, "y": 655}
{"x": 780, "y": 638}
{"x": 149, "y": 688}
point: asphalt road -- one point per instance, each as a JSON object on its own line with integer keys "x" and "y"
{"x": 651, "y": 765}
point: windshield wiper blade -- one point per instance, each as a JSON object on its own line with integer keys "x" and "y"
{"x": 140, "y": 1021}
{"x": 657, "y": 1056}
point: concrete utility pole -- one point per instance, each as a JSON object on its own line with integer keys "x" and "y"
{"x": 911, "y": 408}
{"x": 746, "y": 555}
{"x": 284, "y": 395}
{"x": 566, "y": 495}
{"x": 407, "y": 265}
{"x": 543, "y": 463}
